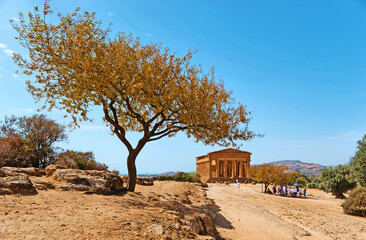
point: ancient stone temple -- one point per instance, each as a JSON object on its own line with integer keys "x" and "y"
{"x": 224, "y": 165}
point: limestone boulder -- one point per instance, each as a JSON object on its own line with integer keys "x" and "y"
{"x": 51, "y": 169}
{"x": 200, "y": 223}
{"x": 30, "y": 171}
{"x": 145, "y": 181}
{"x": 2, "y": 173}
{"x": 16, "y": 184}
{"x": 77, "y": 187}
{"x": 42, "y": 185}
{"x": 102, "y": 182}
{"x": 156, "y": 228}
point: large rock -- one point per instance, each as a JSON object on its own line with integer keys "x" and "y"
{"x": 51, "y": 169}
{"x": 156, "y": 228}
{"x": 145, "y": 181}
{"x": 102, "y": 182}
{"x": 42, "y": 185}
{"x": 16, "y": 184}
{"x": 200, "y": 223}
{"x": 13, "y": 171}
{"x": 2, "y": 173}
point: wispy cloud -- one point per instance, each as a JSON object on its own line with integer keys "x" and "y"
{"x": 110, "y": 14}
{"x": 93, "y": 127}
{"x": 9, "y": 52}
{"x": 6, "y": 50}
{"x": 149, "y": 35}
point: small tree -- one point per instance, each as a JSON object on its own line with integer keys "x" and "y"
{"x": 358, "y": 163}
{"x": 37, "y": 136}
{"x": 12, "y": 152}
{"x": 335, "y": 180}
{"x": 267, "y": 174}
{"x": 297, "y": 177}
{"x": 301, "y": 181}
{"x": 139, "y": 87}
{"x": 292, "y": 177}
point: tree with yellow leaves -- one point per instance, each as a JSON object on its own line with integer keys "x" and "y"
{"x": 140, "y": 87}
{"x": 267, "y": 174}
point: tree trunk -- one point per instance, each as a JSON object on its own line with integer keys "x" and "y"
{"x": 339, "y": 195}
{"x": 265, "y": 187}
{"x": 132, "y": 173}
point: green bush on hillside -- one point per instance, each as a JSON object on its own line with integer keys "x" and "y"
{"x": 79, "y": 160}
{"x": 181, "y": 177}
{"x": 178, "y": 176}
{"x": 355, "y": 204}
{"x": 196, "y": 177}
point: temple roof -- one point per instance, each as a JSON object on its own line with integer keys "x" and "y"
{"x": 226, "y": 150}
{"x": 230, "y": 150}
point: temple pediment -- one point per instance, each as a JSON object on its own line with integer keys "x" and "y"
{"x": 230, "y": 150}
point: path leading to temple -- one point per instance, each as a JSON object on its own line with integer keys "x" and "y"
{"x": 250, "y": 214}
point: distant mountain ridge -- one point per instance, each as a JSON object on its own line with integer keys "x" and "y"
{"x": 158, "y": 174}
{"x": 308, "y": 169}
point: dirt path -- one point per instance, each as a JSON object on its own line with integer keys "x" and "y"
{"x": 250, "y": 214}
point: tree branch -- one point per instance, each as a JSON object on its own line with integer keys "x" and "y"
{"x": 118, "y": 130}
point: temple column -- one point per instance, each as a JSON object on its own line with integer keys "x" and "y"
{"x": 234, "y": 169}
{"x": 240, "y": 169}
{"x": 217, "y": 168}
{"x": 225, "y": 168}
{"x": 243, "y": 168}
{"x": 247, "y": 169}
{"x": 210, "y": 168}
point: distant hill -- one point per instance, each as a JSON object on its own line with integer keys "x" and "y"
{"x": 302, "y": 167}
{"x": 166, "y": 174}
{"x": 156, "y": 175}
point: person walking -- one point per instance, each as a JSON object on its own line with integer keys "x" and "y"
{"x": 238, "y": 185}
{"x": 304, "y": 192}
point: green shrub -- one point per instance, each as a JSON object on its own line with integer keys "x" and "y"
{"x": 187, "y": 177}
{"x": 196, "y": 177}
{"x": 312, "y": 185}
{"x": 301, "y": 181}
{"x": 178, "y": 176}
{"x": 82, "y": 160}
{"x": 355, "y": 204}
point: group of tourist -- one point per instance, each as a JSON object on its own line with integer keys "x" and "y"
{"x": 290, "y": 191}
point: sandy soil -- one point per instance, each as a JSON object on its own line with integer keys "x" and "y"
{"x": 56, "y": 214}
{"x": 250, "y": 214}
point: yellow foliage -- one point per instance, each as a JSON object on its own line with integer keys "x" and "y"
{"x": 140, "y": 87}
{"x": 267, "y": 173}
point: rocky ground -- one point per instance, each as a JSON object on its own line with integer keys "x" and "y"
{"x": 69, "y": 204}
{"x": 61, "y": 208}
{"x": 250, "y": 214}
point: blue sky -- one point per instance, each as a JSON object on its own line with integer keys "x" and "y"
{"x": 300, "y": 66}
